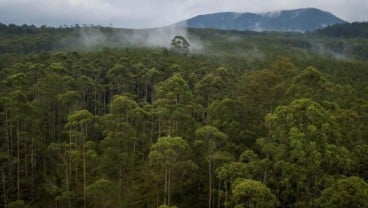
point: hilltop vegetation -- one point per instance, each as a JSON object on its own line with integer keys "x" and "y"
{"x": 249, "y": 120}
{"x": 347, "y": 30}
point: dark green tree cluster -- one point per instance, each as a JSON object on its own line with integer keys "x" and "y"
{"x": 347, "y": 30}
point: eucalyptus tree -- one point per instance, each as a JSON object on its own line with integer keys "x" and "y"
{"x": 120, "y": 78}
{"x": 119, "y": 145}
{"x": 348, "y": 192}
{"x": 247, "y": 193}
{"x": 102, "y": 193}
{"x": 180, "y": 45}
{"x": 248, "y": 166}
{"x": 78, "y": 125}
{"x": 151, "y": 77}
{"x": 216, "y": 85}
{"x": 210, "y": 140}
{"x": 169, "y": 157}
{"x": 174, "y": 99}
{"x": 302, "y": 137}
{"x": 59, "y": 154}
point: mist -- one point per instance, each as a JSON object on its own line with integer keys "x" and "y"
{"x": 92, "y": 38}
{"x": 342, "y": 53}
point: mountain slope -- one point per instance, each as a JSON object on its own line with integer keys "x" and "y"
{"x": 288, "y": 20}
{"x": 348, "y": 30}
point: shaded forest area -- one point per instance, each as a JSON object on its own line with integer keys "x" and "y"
{"x": 252, "y": 120}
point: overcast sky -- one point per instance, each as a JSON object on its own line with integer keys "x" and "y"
{"x": 153, "y": 13}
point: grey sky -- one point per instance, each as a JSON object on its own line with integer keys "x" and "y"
{"x": 152, "y": 13}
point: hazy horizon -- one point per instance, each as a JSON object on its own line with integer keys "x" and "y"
{"x": 149, "y": 14}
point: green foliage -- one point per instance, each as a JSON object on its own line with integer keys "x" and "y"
{"x": 102, "y": 192}
{"x": 302, "y": 137}
{"x": 169, "y": 155}
{"x": 17, "y": 204}
{"x": 169, "y": 150}
{"x": 355, "y": 29}
{"x": 164, "y": 206}
{"x": 348, "y": 192}
{"x": 250, "y": 193}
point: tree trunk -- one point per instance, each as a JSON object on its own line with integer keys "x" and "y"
{"x": 165, "y": 195}
{"x": 4, "y": 187}
{"x": 120, "y": 182}
{"x": 213, "y": 184}
{"x": 218, "y": 195}
{"x": 66, "y": 162}
{"x": 151, "y": 132}
{"x": 209, "y": 184}
{"x": 32, "y": 171}
{"x": 84, "y": 179}
{"x": 159, "y": 127}
{"x": 18, "y": 163}
{"x": 265, "y": 174}
{"x": 70, "y": 157}
{"x": 226, "y": 191}
{"x": 84, "y": 167}
{"x": 169, "y": 189}
{"x": 158, "y": 196}
{"x": 153, "y": 92}
{"x": 146, "y": 94}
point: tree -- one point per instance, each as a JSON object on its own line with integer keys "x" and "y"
{"x": 174, "y": 101}
{"x": 169, "y": 155}
{"x": 314, "y": 85}
{"x": 251, "y": 194}
{"x": 302, "y": 137}
{"x": 248, "y": 166}
{"x": 60, "y": 154}
{"x": 216, "y": 85}
{"x": 150, "y": 78}
{"x": 118, "y": 146}
{"x": 78, "y": 124}
{"x": 349, "y": 192}
{"x": 210, "y": 139}
{"x": 102, "y": 192}
{"x": 260, "y": 92}
{"x": 224, "y": 115}
{"x": 180, "y": 45}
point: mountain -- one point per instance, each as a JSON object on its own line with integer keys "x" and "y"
{"x": 299, "y": 20}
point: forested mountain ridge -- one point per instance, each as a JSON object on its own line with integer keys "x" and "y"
{"x": 298, "y": 20}
{"x": 347, "y": 30}
{"x": 232, "y": 125}
{"x": 252, "y": 45}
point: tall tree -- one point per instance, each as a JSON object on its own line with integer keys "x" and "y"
{"x": 250, "y": 193}
{"x": 169, "y": 155}
{"x": 301, "y": 137}
{"x": 210, "y": 139}
{"x": 348, "y": 192}
{"x": 79, "y": 124}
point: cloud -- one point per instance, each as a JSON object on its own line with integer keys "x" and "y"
{"x": 153, "y": 13}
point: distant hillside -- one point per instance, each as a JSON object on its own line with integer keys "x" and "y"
{"x": 288, "y": 20}
{"x": 347, "y": 30}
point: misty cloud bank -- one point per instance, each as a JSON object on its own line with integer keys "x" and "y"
{"x": 97, "y": 37}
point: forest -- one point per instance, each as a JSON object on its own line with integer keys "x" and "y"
{"x": 248, "y": 119}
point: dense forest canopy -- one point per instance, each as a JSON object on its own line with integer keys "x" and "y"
{"x": 347, "y": 30}
{"x": 246, "y": 120}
